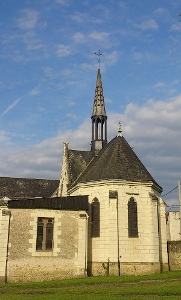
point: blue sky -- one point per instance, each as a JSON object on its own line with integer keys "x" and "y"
{"x": 47, "y": 79}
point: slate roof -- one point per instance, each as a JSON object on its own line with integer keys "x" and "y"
{"x": 25, "y": 187}
{"x": 78, "y": 160}
{"x": 60, "y": 203}
{"x": 116, "y": 160}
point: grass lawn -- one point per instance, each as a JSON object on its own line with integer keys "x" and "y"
{"x": 161, "y": 286}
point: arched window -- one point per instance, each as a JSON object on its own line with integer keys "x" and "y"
{"x": 132, "y": 218}
{"x": 95, "y": 218}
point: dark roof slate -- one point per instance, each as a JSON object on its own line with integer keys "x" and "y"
{"x": 116, "y": 161}
{"x": 61, "y": 203}
{"x": 26, "y": 187}
{"x": 78, "y": 161}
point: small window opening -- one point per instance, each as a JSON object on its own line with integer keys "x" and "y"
{"x": 44, "y": 239}
{"x": 132, "y": 218}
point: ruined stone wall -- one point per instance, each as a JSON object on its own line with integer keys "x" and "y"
{"x": 174, "y": 253}
{"x": 65, "y": 260}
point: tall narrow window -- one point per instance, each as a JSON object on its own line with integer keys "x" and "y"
{"x": 44, "y": 239}
{"x": 132, "y": 218}
{"x": 95, "y": 218}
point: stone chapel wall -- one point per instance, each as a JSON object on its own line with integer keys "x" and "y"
{"x": 65, "y": 260}
{"x": 114, "y": 252}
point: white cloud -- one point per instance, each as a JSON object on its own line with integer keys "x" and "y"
{"x": 73, "y": 116}
{"x": 42, "y": 160}
{"x": 63, "y": 50}
{"x": 99, "y": 36}
{"x": 85, "y": 18}
{"x": 28, "y": 19}
{"x": 161, "y": 11}
{"x": 90, "y": 67}
{"x": 30, "y": 40}
{"x": 159, "y": 84}
{"x": 172, "y": 92}
{"x": 63, "y": 2}
{"x": 33, "y": 45}
{"x": 79, "y": 37}
{"x": 21, "y": 45}
{"x": 176, "y": 81}
{"x": 4, "y": 138}
{"x": 79, "y": 17}
{"x": 108, "y": 100}
{"x": 176, "y": 27}
{"x": 123, "y": 6}
{"x": 49, "y": 72}
{"x": 144, "y": 56}
{"x": 111, "y": 58}
{"x": 149, "y": 24}
{"x": 154, "y": 131}
{"x": 34, "y": 92}
{"x": 66, "y": 72}
{"x": 71, "y": 103}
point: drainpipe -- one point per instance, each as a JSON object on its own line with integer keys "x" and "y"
{"x": 159, "y": 236}
{"x": 86, "y": 244}
{"x": 119, "y": 273}
{"x": 7, "y": 249}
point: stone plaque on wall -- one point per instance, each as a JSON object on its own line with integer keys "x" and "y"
{"x": 113, "y": 194}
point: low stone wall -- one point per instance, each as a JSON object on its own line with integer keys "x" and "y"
{"x": 174, "y": 254}
{"x": 41, "y": 269}
{"x": 125, "y": 268}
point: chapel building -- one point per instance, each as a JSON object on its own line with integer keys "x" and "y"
{"x": 106, "y": 217}
{"x": 126, "y": 232}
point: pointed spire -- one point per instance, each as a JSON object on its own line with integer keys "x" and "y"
{"x": 99, "y": 106}
{"x": 99, "y": 118}
{"x": 119, "y": 130}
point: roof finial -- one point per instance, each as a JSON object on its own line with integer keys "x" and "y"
{"x": 119, "y": 130}
{"x": 99, "y": 57}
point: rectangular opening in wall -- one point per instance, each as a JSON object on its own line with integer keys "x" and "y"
{"x": 132, "y": 218}
{"x": 95, "y": 218}
{"x": 44, "y": 240}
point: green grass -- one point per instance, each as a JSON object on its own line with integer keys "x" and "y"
{"x": 161, "y": 286}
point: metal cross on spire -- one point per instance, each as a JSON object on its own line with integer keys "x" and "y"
{"x": 99, "y": 57}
